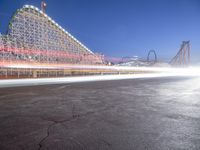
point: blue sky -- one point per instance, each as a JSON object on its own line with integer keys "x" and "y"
{"x": 123, "y": 27}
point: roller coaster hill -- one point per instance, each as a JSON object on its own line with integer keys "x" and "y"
{"x": 36, "y": 46}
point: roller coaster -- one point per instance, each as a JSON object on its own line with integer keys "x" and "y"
{"x": 182, "y": 58}
{"x": 35, "y": 40}
{"x": 36, "y": 46}
{"x": 35, "y": 37}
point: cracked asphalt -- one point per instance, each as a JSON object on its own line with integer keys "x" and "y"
{"x": 138, "y": 114}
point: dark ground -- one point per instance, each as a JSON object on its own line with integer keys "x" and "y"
{"x": 153, "y": 114}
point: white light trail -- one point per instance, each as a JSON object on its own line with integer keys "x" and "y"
{"x": 195, "y": 71}
{"x": 163, "y": 72}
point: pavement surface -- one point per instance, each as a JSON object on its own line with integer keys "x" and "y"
{"x": 137, "y": 114}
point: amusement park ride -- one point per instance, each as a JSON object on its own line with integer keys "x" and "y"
{"x": 36, "y": 46}
{"x": 182, "y": 58}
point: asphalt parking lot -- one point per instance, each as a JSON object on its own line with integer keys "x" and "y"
{"x": 138, "y": 114}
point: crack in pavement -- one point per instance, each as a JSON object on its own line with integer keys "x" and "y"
{"x": 48, "y": 133}
{"x": 74, "y": 116}
{"x": 106, "y": 143}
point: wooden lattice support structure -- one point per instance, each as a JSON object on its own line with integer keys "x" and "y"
{"x": 182, "y": 58}
{"x": 34, "y": 37}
